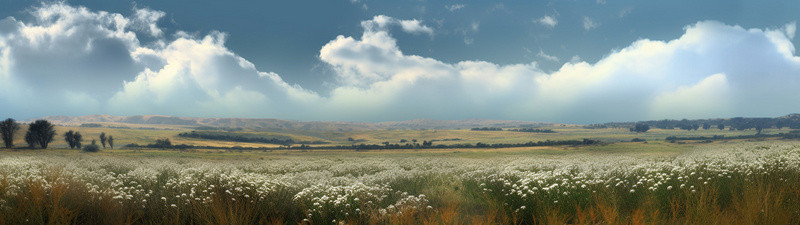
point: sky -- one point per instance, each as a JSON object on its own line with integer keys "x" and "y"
{"x": 364, "y": 60}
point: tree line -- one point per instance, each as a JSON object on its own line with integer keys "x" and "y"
{"x": 791, "y": 135}
{"x": 41, "y": 133}
{"x": 286, "y": 141}
{"x": 486, "y": 129}
{"x": 533, "y": 130}
{"x": 737, "y": 123}
{"x": 166, "y": 144}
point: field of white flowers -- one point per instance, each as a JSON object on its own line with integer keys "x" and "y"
{"x": 751, "y": 183}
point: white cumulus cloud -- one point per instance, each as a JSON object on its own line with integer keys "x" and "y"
{"x": 96, "y": 63}
{"x": 730, "y": 68}
{"x": 415, "y": 27}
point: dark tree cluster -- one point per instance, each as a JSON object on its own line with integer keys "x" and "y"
{"x": 486, "y": 129}
{"x": 533, "y": 130}
{"x": 640, "y": 128}
{"x": 596, "y": 126}
{"x": 41, "y": 133}
{"x": 737, "y": 123}
{"x": 795, "y": 134}
{"x": 687, "y": 125}
{"x": 165, "y": 144}
{"x": 73, "y": 139}
{"x": 478, "y": 145}
{"x": 237, "y": 138}
{"x": 106, "y": 139}
{"x": 243, "y": 137}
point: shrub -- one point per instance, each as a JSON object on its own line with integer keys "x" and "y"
{"x": 91, "y": 148}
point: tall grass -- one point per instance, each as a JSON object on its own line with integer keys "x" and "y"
{"x": 748, "y": 184}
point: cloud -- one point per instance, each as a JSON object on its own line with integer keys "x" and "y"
{"x": 710, "y": 93}
{"x": 546, "y": 56}
{"x": 96, "y": 63}
{"x": 64, "y": 53}
{"x": 467, "y": 32}
{"x": 202, "y": 75}
{"x": 575, "y": 59}
{"x": 625, "y": 12}
{"x": 468, "y": 40}
{"x": 145, "y": 20}
{"x": 379, "y": 79}
{"x": 475, "y": 26}
{"x": 381, "y": 22}
{"x": 712, "y": 70}
{"x": 415, "y": 27}
{"x": 363, "y": 5}
{"x": 790, "y": 29}
{"x": 589, "y": 24}
{"x": 548, "y": 21}
{"x": 454, "y": 7}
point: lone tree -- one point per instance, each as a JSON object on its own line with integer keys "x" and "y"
{"x": 40, "y": 132}
{"x": 78, "y": 138}
{"x": 640, "y": 128}
{"x": 111, "y": 141}
{"x": 721, "y": 126}
{"x": 7, "y": 129}
{"x": 103, "y": 139}
{"x": 69, "y": 138}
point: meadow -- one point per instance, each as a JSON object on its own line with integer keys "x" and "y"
{"x": 737, "y": 182}
{"x": 143, "y": 134}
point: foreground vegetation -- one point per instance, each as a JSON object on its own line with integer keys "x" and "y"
{"x": 734, "y": 183}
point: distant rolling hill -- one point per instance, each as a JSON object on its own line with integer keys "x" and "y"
{"x": 277, "y": 124}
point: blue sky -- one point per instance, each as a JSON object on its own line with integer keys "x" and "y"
{"x": 559, "y": 61}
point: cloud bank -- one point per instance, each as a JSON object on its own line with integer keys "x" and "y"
{"x": 72, "y": 60}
